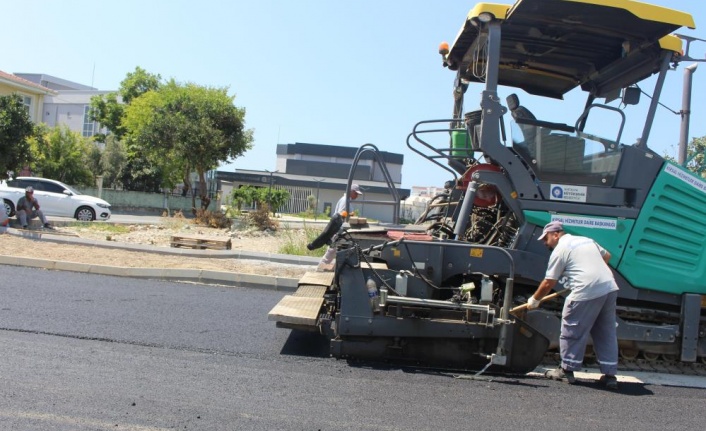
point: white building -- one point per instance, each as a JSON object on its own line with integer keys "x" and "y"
{"x": 68, "y": 104}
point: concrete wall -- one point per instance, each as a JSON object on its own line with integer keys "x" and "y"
{"x": 152, "y": 202}
{"x": 121, "y": 200}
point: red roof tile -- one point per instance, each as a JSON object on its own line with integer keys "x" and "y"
{"x": 22, "y": 81}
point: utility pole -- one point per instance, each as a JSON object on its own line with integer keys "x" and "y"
{"x": 685, "y": 113}
{"x": 316, "y": 210}
{"x": 686, "y": 96}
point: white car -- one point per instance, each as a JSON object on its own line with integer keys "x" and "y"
{"x": 55, "y": 199}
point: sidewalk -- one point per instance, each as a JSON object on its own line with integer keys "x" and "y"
{"x": 170, "y": 274}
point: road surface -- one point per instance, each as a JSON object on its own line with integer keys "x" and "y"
{"x": 86, "y": 352}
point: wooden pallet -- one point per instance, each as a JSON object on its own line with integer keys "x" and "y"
{"x": 201, "y": 242}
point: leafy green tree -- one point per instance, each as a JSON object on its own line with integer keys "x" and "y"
{"x": 146, "y": 158}
{"x": 695, "y": 158}
{"x": 238, "y": 198}
{"x": 62, "y": 154}
{"x": 696, "y": 161}
{"x": 275, "y": 198}
{"x": 137, "y": 172}
{"x": 138, "y": 83}
{"x": 140, "y": 174}
{"x": 245, "y": 194}
{"x": 114, "y": 160}
{"x": 197, "y": 126}
{"x": 16, "y": 129}
{"x": 109, "y": 111}
{"x": 93, "y": 160}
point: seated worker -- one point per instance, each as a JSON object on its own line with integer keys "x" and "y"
{"x": 28, "y": 208}
{"x": 339, "y": 209}
{"x": 4, "y": 220}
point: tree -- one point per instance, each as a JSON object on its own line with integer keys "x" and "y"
{"x": 197, "y": 127}
{"x": 93, "y": 160}
{"x": 109, "y": 111}
{"x": 15, "y": 130}
{"x": 137, "y": 172}
{"x": 61, "y": 154}
{"x": 114, "y": 160}
{"x": 138, "y": 83}
{"x": 148, "y": 156}
{"x": 245, "y": 194}
{"x": 695, "y": 156}
{"x": 140, "y": 174}
{"x": 275, "y": 198}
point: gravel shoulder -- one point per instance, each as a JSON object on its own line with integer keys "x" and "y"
{"x": 160, "y": 236}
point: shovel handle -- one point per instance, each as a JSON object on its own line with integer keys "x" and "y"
{"x": 546, "y": 298}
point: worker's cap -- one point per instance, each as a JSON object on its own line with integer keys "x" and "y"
{"x": 555, "y": 226}
{"x": 356, "y": 188}
{"x": 29, "y": 189}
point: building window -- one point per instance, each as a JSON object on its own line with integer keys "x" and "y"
{"x": 27, "y": 101}
{"x": 89, "y": 127}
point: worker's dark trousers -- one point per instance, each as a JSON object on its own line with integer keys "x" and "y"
{"x": 595, "y": 317}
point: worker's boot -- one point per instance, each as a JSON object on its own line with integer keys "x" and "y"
{"x": 610, "y": 382}
{"x": 561, "y": 375}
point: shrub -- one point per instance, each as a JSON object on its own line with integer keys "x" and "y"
{"x": 215, "y": 219}
{"x": 176, "y": 221}
{"x": 232, "y": 211}
{"x": 260, "y": 218}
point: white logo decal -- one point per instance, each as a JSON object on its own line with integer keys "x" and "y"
{"x": 560, "y": 192}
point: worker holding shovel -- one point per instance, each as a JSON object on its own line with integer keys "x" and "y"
{"x": 582, "y": 266}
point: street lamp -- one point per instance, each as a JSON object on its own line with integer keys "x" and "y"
{"x": 269, "y": 191}
{"x": 316, "y": 210}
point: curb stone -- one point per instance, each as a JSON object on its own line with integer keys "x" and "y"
{"x": 193, "y": 275}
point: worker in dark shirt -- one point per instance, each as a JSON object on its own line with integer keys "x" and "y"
{"x": 28, "y": 208}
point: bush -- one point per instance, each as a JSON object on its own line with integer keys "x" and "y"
{"x": 215, "y": 219}
{"x": 177, "y": 221}
{"x": 232, "y": 211}
{"x": 260, "y": 218}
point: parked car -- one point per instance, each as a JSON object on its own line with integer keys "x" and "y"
{"x": 55, "y": 199}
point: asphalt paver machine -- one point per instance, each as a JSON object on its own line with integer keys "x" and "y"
{"x": 445, "y": 298}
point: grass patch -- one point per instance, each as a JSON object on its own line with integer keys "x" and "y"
{"x": 309, "y": 215}
{"x": 296, "y": 241}
{"x": 176, "y": 221}
{"x": 102, "y": 227}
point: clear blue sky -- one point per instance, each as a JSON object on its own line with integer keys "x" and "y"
{"x": 317, "y": 71}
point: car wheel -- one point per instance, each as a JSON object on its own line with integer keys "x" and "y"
{"x": 85, "y": 214}
{"x": 9, "y": 208}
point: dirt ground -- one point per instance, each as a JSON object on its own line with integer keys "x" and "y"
{"x": 160, "y": 236}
